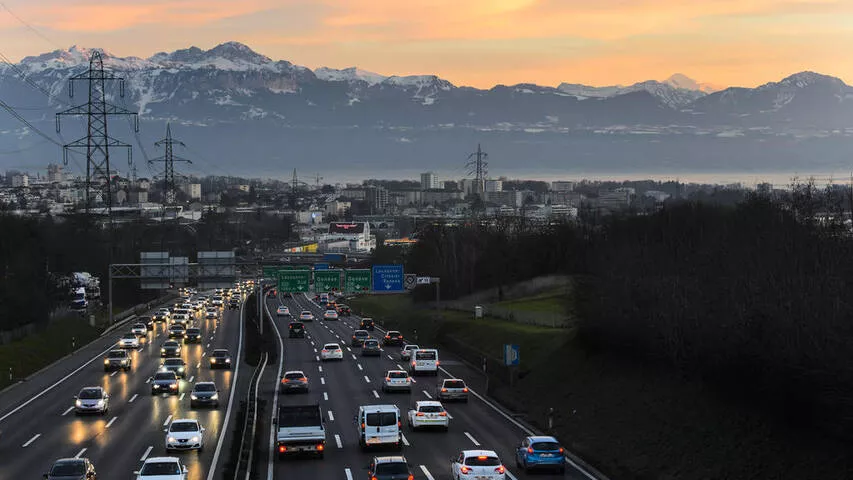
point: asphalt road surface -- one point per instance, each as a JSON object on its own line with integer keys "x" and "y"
{"x": 340, "y": 387}
{"x": 38, "y": 425}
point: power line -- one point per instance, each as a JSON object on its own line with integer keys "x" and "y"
{"x": 29, "y": 125}
{"x": 28, "y": 26}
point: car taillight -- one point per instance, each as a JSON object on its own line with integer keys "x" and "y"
{"x": 282, "y": 449}
{"x": 362, "y": 424}
{"x": 413, "y": 364}
{"x": 465, "y": 469}
{"x": 320, "y": 447}
{"x": 561, "y": 450}
{"x": 304, "y": 379}
{"x": 411, "y": 477}
{"x": 465, "y": 389}
{"x": 500, "y": 469}
{"x": 420, "y": 414}
{"x": 443, "y": 414}
{"x": 284, "y": 380}
{"x": 529, "y": 449}
{"x": 387, "y": 379}
{"x": 372, "y": 478}
{"x": 437, "y": 363}
{"x": 443, "y": 389}
{"x": 399, "y": 424}
{"x": 387, "y": 336}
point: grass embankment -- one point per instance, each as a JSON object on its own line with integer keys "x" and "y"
{"x": 35, "y": 351}
{"x": 630, "y": 420}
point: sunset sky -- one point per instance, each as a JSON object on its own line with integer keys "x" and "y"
{"x": 469, "y": 42}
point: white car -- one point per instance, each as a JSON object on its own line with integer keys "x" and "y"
{"x": 331, "y": 351}
{"x": 406, "y": 352}
{"x": 306, "y": 316}
{"x": 162, "y": 468}
{"x": 139, "y": 329}
{"x": 212, "y": 313}
{"x": 477, "y": 465}
{"x": 428, "y": 413}
{"x": 185, "y": 434}
{"x": 330, "y": 315}
{"x": 129, "y": 340}
{"x": 282, "y": 311}
{"x": 397, "y": 380}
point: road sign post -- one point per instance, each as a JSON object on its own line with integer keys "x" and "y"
{"x": 388, "y": 278}
{"x": 356, "y": 281}
{"x": 511, "y": 360}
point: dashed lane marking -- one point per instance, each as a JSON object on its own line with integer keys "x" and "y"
{"x": 35, "y": 437}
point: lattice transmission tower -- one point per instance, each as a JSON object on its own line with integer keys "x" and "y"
{"x": 478, "y": 167}
{"x": 170, "y": 188}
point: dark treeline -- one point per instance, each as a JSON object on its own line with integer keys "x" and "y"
{"x": 754, "y": 298}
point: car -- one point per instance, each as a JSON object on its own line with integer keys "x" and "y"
{"x": 540, "y": 452}
{"x": 358, "y": 337}
{"x": 424, "y": 360}
{"x": 147, "y": 321}
{"x": 371, "y": 347}
{"x": 389, "y": 468}
{"x": 378, "y": 426}
{"x": 296, "y": 330}
{"x": 306, "y": 316}
{"x": 344, "y": 310}
{"x": 331, "y": 351}
{"x": 330, "y": 315}
{"x": 162, "y": 468}
{"x": 177, "y": 331}
{"x": 192, "y": 335}
{"x": 397, "y": 380}
{"x": 161, "y": 315}
{"x": 393, "y": 337}
{"x": 117, "y": 359}
{"x": 92, "y": 400}
{"x": 164, "y": 382}
{"x": 185, "y": 434}
{"x": 477, "y": 465}
{"x": 367, "y": 324}
{"x": 220, "y": 358}
{"x": 293, "y": 381}
{"x": 217, "y": 301}
{"x": 271, "y": 294}
{"x": 406, "y": 352}
{"x": 234, "y": 304}
{"x": 453, "y": 389}
{"x": 428, "y": 413}
{"x": 180, "y": 317}
{"x": 204, "y": 393}
{"x": 282, "y": 311}
{"x": 72, "y": 469}
{"x": 176, "y": 365}
{"x": 128, "y": 340}
{"x": 212, "y": 313}
{"x": 170, "y": 348}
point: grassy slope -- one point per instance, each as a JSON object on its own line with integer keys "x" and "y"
{"x": 551, "y": 303}
{"x": 631, "y": 421}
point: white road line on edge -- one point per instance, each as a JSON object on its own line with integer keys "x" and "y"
{"x": 475, "y": 442}
{"x": 80, "y": 453}
{"x": 510, "y": 475}
{"x": 35, "y": 437}
{"x": 348, "y": 472}
{"x": 338, "y": 441}
{"x": 426, "y": 473}
{"x": 359, "y": 366}
{"x": 145, "y": 455}
{"x": 405, "y": 440}
{"x": 270, "y": 454}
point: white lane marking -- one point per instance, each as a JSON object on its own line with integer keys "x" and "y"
{"x": 110, "y": 422}
{"x": 168, "y": 419}
{"x": 348, "y": 472}
{"x": 198, "y": 365}
{"x": 149, "y": 380}
{"x": 208, "y": 345}
{"x": 359, "y": 367}
{"x": 145, "y": 455}
{"x": 318, "y": 359}
{"x": 389, "y": 357}
{"x": 366, "y": 379}
{"x": 405, "y": 440}
{"x": 315, "y": 350}
{"x": 354, "y": 357}
{"x": 191, "y": 379}
{"x": 35, "y": 437}
{"x": 325, "y": 396}
{"x": 331, "y": 415}
{"x": 349, "y": 349}
{"x": 181, "y": 397}
{"x": 114, "y": 373}
{"x": 375, "y": 394}
{"x": 80, "y": 453}
{"x": 213, "y": 464}
{"x": 338, "y": 441}
{"x": 426, "y": 473}
{"x": 133, "y": 398}
{"x": 205, "y": 353}
{"x": 427, "y": 394}
{"x": 399, "y": 367}
{"x": 475, "y": 442}
{"x": 510, "y": 475}
{"x": 323, "y": 380}
{"x": 320, "y": 368}
{"x": 67, "y": 411}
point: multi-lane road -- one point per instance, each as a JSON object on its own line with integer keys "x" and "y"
{"x": 340, "y": 387}
{"x": 38, "y": 425}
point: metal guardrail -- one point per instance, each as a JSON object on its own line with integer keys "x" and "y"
{"x": 250, "y": 423}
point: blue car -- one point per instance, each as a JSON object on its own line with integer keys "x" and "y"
{"x": 540, "y": 453}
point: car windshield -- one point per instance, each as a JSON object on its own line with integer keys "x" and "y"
{"x": 184, "y": 427}
{"x": 139, "y": 325}
{"x": 483, "y": 461}
{"x": 296, "y": 325}
{"x": 371, "y": 343}
{"x": 431, "y": 409}
{"x": 382, "y": 419}
{"x": 117, "y": 354}
{"x": 293, "y": 376}
{"x": 410, "y": 347}
{"x": 89, "y": 394}
{"x": 422, "y": 355}
{"x": 174, "y": 362}
{"x": 367, "y": 322}
{"x": 67, "y": 469}
{"x": 398, "y": 374}
{"x": 205, "y": 387}
{"x": 193, "y": 330}
{"x": 129, "y": 336}
{"x": 164, "y": 376}
{"x": 454, "y": 384}
{"x": 170, "y": 344}
{"x": 331, "y": 346}
{"x": 547, "y": 446}
{"x": 220, "y": 353}
{"x": 391, "y": 469}
{"x": 306, "y": 312}
{"x": 361, "y": 333}
{"x": 394, "y": 334}
{"x": 160, "y": 468}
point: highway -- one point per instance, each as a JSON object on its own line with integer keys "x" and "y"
{"x": 38, "y": 425}
{"x": 340, "y": 387}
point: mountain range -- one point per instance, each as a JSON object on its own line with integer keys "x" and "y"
{"x": 238, "y": 107}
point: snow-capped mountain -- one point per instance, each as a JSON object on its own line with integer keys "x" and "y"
{"x": 351, "y": 74}
{"x": 681, "y": 81}
{"x": 675, "y": 92}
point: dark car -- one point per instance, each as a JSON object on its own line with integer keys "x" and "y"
{"x": 177, "y": 331}
{"x": 192, "y": 335}
{"x": 234, "y": 304}
{"x": 389, "y": 468}
{"x": 371, "y": 347}
{"x": 72, "y": 469}
{"x": 147, "y": 321}
{"x": 358, "y": 337}
{"x": 176, "y": 365}
{"x": 367, "y": 324}
{"x": 204, "y": 394}
{"x": 344, "y": 309}
{"x": 393, "y": 337}
{"x": 164, "y": 382}
{"x": 293, "y": 381}
{"x": 296, "y": 330}
{"x": 170, "y": 349}
{"x": 220, "y": 358}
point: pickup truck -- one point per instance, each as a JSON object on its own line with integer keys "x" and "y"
{"x": 300, "y": 429}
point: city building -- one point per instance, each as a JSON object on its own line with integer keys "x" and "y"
{"x": 20, "y": 180}
{"x": 429, "y": 181}
{"x": 137, "y": 196}
{"x": 493, "y": 186}
{"x": 337, "y": 208}
{"x": 355, "y": 193}
{"x": 377, "y": 199}
{"x": 347, "y": 237}
{"x": 54, "y": 173}
{"x": 511, "y": 198}
{"x": 657, "y": 195}
{"x": 193, "y": 190}
{"x": 614, "y": 200}
{"x": 562, "y": 186}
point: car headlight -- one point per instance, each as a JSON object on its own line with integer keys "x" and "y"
{"x": 106, "y": 362}
{"x": 124, "y": 362}
{"x": 215, "y": 396}
{"x": 171, "y": 439}
{"x": 181, "y": 369}
{"x": 227, "y": 360}
{"x": 78, "y": 403}
{"x": 100, "y": 403}
{"x": 212, "y": 360}
{"x": 194, "y": 439}
{"x": 194, "y": 396}
{"x": 163, "y": 350}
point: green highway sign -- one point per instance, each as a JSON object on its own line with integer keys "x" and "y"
{"x": 269, "y": 272}
{"x": 327, "y": 280}
{"x": 357, "y": 280}
{"x": 294, "y": 281}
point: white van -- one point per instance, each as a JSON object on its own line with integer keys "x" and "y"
{"x": 424, "y": 360}
{"x": 379, "y": 425}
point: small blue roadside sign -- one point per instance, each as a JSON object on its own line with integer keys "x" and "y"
{"x": 511, "y": 355}
{"x": 388, "y": 278}
{"x": 321, "y": 266}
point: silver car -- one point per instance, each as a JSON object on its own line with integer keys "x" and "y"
{"x": 453, "y": 389}
{"x": 92, "y": 400}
